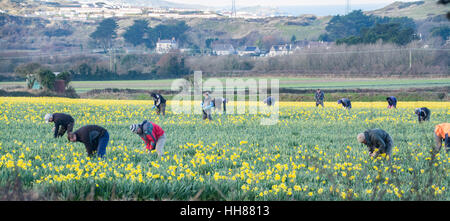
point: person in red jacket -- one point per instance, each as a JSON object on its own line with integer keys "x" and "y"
{"x": 152, "y": 134}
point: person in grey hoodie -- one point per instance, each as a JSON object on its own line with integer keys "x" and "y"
{"x": 377, "y": 140}
{"x": 218, "y": 102}
{"x": 207, "y": 104}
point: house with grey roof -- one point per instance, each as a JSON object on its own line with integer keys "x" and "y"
{"x": 223, "y": 49}
{"x": 249, "y": 51}
{"x": 166, "y": 45}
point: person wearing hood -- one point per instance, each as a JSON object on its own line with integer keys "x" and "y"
{"x": 152, "y": 134}
{"x": 442, "y": 133}
{"x": 377, "y": 140}
{"x": 319, "y": 97}
{"x": 270, "y": 101}
{"x": 207, "y": 104}
{"x": 94, "y": 138}
{"x": 159, "y": 104}
{"x": 346, "y": 103}
{"x": 218, "y": 102}
{"x": 392, "y": 102}
{"x": 423, "y": 114}
{"x": 63, "y": 122}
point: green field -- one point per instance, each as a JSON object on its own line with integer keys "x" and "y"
{"x": 285, "y": 82}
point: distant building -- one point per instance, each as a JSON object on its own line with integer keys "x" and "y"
{"x": 280, "y": 50}
{"x": 250, "y": 51}
{"x": 223, "y": 49}
{"x": 164, "y": 46}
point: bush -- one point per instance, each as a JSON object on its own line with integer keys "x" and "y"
{"x": 66, "y": 76}
{"x": 47, "y": 79}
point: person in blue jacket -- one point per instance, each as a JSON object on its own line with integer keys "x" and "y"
{"x": 346, "y": 103}
{"x": 392, "y": 102}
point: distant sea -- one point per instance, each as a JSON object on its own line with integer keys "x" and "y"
{"x": 327, "y": 9}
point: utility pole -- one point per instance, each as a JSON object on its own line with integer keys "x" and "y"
{"x": 410, "y": 59}
{"x": 233, "y": 8}
{"x": 347, "y": 7}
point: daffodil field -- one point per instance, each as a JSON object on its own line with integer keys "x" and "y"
{"x": 310, "y": 154}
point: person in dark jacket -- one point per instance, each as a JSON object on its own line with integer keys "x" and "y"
{"x": 94, "y": 138}
{"x": 319, "y": 96}
{"x": 63, "y": 123}
{"x": 159, "y": 103}
{"x": 377, "y": 140}
{"x": 270, "y": 101}
{"x": 152, "y": 134}
{"x": 423, "y": 114}
{"x": 392, "y": 102}
{"x": 346, "y": 103}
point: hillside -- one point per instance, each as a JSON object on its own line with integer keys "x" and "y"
{"x": 418, "y": 10}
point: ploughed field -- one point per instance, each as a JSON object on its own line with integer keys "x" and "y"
{"x": 310, "y": 154}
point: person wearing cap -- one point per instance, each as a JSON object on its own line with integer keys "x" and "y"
{"x": 152, "y": 134}
{"x": 346, "y": 103}
{"x": 270, "y": 101}
{"x": 442, "y": 133}
{"x": 392, "y": 102}
{"x": 94, "y": 138}
{"x": 319, "y": 96}
{"x": 377, "y": 140}
{"x": 423, "y": 114}
{"x": 207, "y": 104}
{"x": 159, "y": 103}
{"x": 63, "y": 122}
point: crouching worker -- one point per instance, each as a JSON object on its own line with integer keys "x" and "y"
{"x": 94, "y": 138}
{"x": 392, "y": 102}
{"x": 346, "y": 103}
{"x": 423, "y": 114}
{"x": 159, "y": 104}
{"x": 63, "y": 123}
{"x": 442, "y": 133}
{"x": 152, "y": 134}
{"x": 270, "y": 101}
{"x": 378, "y": 142}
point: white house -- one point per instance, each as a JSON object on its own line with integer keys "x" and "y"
{"x": 280, "y": 50}
{"x": 223, "y": 49}
{"x": 250, "y": 51}
{"x": 164, "y": 46}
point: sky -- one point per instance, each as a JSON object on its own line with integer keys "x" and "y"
{"x": 241, "y": 3}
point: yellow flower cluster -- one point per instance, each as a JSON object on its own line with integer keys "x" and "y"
{"x": 311, "y": 154}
